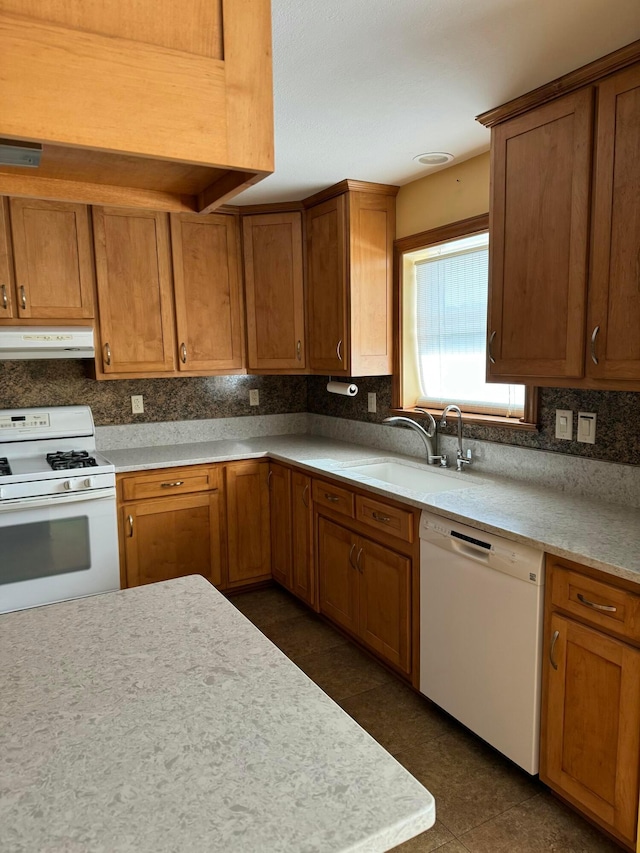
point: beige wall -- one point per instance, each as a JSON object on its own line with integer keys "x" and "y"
{"x": 454, "y": 193}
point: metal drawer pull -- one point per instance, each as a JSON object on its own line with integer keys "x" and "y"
{"x": 23, "y": 297}
{"x": 385, "y": 519}
{"x": 5, "y": 300}
{"x": 554, "y": 640}
{"x": 353, "y": 548}
{"x": 594, "y": 335}
{"x": 609, "y": 608}
{"x": 491, "y": 339}
{"x": 339, "y": 350}
{"x": 269, "y": 476}
{"x": 130, "y": 520}
{"x": 172, "y": 485}
{"x": 107, "y": 354}
{"x": 333, "y": 498}
{"x": 358, "y": 566}
{"x": 183, "y": 353}
{"x": 299, "y": 350}
{"x": 305, "y": 491}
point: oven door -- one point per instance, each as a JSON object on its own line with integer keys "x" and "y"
{"x": 58, "y": 547}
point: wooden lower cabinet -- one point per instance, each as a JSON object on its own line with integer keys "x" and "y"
{"x": 248, "y": 522}
{"x": 303, "y": 576}
{"x": 280, "y": 504}
{"x": 365, "y": 587}
{"x": 172, "y": 537}
{"x": 590, "y": 751}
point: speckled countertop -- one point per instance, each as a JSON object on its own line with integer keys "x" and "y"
{"x": 603, "y": 535}
{"x": 160, "y": 719}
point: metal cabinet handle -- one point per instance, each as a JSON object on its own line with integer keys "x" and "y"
{"x": 172, "y": 485}
{"x": 305, "y": 491}
{"x": 334, "y": 499}
{"x": 23, "y": 297}
{"x": 339, "y": 350}
{"x": 609, "y": 608}
{"x": 385, "y": 519}
{"x": 269, "y": 476}
{"x": 491, "y": 339}
{"x": 5, "y": 298}
{"x": 183, "y": 353}
{"x": 107, "y": 354}
{"x": 130, "y": 520}
{"x": 353, "y": 548}
{"x": 358, "y": 566}
{"x": 554, "y": 640}
{"x": 594, "y": 335}
{"x": 299, "y": 350}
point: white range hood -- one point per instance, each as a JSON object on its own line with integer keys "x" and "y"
{"x": 25, "y": 342}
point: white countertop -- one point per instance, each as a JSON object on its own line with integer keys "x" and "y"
{"x": 160, "y": 719}
{"x": 602, "y": 535}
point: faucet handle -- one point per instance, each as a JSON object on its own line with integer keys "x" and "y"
{"x": 463, "y": 459}
{"x": 444, "y": 462}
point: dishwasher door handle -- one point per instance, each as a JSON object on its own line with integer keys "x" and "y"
{"x": 470, "y": 550}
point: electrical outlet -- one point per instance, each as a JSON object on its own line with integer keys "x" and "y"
{"x": 564, "y": 424}
{"x": 137, "y": 404}
{"x": 587, "y": 427}
{"x": 372, "y": 405}
{"x": 254, "y": 397}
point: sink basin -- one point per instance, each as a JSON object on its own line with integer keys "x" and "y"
{"x": 410, "y": 476}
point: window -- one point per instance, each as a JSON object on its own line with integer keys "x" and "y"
{"x": 443, "y": 314}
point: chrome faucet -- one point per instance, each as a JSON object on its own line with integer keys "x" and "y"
{"x": 425, "y": 435}
{"x": 462, "y": 459}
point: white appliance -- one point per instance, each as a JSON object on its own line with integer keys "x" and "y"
{"x": 26, "y": 342}
{"x": 58, "y": 528}
{"x": 481, "y": 603}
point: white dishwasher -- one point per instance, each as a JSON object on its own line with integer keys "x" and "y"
{"x": 481, "y": 602}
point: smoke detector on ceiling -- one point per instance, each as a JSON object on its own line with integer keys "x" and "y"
{"x": 434, "y": 158}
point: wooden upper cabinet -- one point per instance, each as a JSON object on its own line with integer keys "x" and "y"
{"x": 145, "y": 103}
{"x": 133, "y": 268}
{"x": 541, "y": 174}
{"x": 53, "y": 261}
{"x": 614, "y": 298}
{"x": 274, "y": 288}
{"x": 208, "y": 295}
{"x": 7, "y": 295}
{"x": 350, "y": 280}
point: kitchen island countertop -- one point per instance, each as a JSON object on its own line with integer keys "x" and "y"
{"x": 160, "y": 719}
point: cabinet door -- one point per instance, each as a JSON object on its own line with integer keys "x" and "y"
{"x": 338, "y": 574}
{"x": 172, "y": 537}
{"x": 302, "y": 570}
{"x": 327, "y": 287}
{"x": 280, "y": 513}
{"x": 592, "y": 719}
{"x": 207, "y": 292}
{"x": 274, "y": 291}
{"x": 614, "y": 296}
{"x": 6, "y": 264}
{"x": 134, "y": 291}
{"x": 541, "y": 172}
{"x": 248, "y": 539}
{"x": 53, "y": 262}
{"x": 385, "y": 596}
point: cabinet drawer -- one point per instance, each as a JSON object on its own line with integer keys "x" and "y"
{"x": 170, "y": 481}
{"x": 596, "y": 602}
{"x": 381, "y": 516}
{"x": 337, "y": 499}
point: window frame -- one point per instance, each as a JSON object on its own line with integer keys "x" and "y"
{"x": 444, "y": 234}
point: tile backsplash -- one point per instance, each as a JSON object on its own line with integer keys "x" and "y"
{"x": 59, "y": 383}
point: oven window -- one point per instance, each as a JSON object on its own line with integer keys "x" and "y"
{"x": 41, "y": 549}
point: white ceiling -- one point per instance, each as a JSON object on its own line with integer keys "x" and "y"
{"x": 363, "y": 86}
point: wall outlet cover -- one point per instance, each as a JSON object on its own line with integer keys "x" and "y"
{"x": 137, "y": 404}
{"x": 564, "y": 424}
{"x": 587, "y": 427}
{"x": 372, "y": 405}
{"x": 254, "y": 397}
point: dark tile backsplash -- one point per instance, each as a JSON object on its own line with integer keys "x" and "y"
{"x": 59, "y": 383}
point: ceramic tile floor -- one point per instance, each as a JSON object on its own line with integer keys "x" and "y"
{"x": 484, "y": 803}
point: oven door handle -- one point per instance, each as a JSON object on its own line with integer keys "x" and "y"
{"x": 51, "y": 501}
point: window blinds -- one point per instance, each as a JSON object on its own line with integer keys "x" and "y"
{"x": 451, "y": 312}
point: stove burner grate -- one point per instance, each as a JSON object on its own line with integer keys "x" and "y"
{"x": 63, "y": 460}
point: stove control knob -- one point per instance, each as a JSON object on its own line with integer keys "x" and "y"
{"x": 89, "y": 483}
{"x": 67, "y": 485}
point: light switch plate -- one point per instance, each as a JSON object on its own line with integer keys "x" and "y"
{"x": 137, "y": 404}
{"x": 587, "y": 427}
{"x": 564, "y": 424}
{"x": 371, "y": 401}
{"x": 254, "y": 397}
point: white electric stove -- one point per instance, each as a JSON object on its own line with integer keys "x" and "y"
{"x": 58, "y": 528}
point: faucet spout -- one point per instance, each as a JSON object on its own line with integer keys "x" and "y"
{"x": 461, "y": 459}
{"x": 425, "y": 435}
